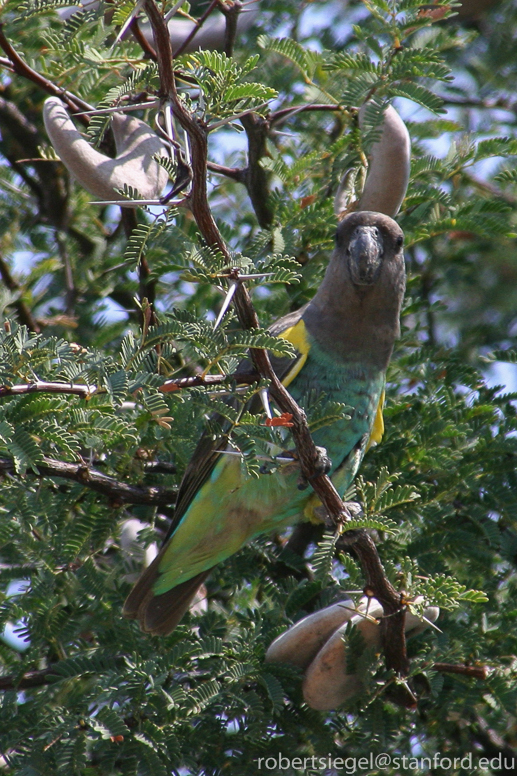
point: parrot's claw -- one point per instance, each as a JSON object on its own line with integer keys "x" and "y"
{"x": 352, "y": 510}
{"x": 323, "y": 465}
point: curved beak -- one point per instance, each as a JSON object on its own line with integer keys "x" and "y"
{"x": 365, "y": 255}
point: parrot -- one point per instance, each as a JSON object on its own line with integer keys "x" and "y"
{"x": 343, "y": 339}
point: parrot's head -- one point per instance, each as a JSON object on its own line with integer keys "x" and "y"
{"x": 371, "y": 246}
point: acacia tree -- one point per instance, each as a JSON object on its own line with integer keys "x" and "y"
{"x": 100, "y": 412}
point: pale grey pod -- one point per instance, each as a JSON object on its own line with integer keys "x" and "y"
{"x": 210, "y": 36}
{"x": 99, "y": 174}
{"x": 327, "y": 685}
{"x": 300, "y": 644}
{"x": 388, "y": 171}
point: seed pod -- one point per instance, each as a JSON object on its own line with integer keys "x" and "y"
{"x": 327, "y": 685}
{"x": 388, "y": 171}
{"x": 211, "y": 35}
{"x": 134, "y": 164}
{"x": 300, "y": 644}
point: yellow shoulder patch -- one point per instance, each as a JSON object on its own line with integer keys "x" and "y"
{"x": 309, "y": 511}
{"x": 378, "y": 425}
{"x": 297, "y": 336}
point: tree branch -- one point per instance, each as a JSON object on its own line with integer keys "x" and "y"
{"x": 142, "y": 40}
{"x": 254, "y": 176}
{"x": 307, "y": 452}
{"x": 177, "y": 384}
{"x": 28, "y": 680}
{"x": 147, "y": 286}
{"x": 118, "y": 492}
{"x": 472, "y": 672}
{"x": 25, "y": 315}
{"x": 22, "y": 68}
{"x": 235, "y": 173}
{"x": 199, "y": 23}
{"x": 21, "y": 140}
{"x": 492, "y": 742}
{"x": 232, "y": 17}
{"x": 48, "y": 676}
{"x": 42, "y": 387}
{"x": 392, "y": 624}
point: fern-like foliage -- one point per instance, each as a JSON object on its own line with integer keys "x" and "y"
{"x": 118, "y": 303}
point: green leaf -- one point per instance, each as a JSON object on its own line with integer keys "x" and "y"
{"x": 307, "y": 61}
{"x": 420, "y": 95}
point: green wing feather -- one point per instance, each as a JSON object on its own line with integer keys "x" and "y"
{"x": 205, "y": 456}
{"x": 218, "y": 510}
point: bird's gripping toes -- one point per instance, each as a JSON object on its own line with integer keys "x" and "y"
{"x": 344, "y": 338}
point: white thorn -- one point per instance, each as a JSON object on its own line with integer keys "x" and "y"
{"x": 220, "y": 394}
{"x": 169, "y": 126}
{"x": 432, "y": 624}
{"x": 168, "y": 16}
{"x": 138, "y": 202}
{"x": 268, "y": 458}
{"x": 188, "y": 156}
{"x": 128, "y": 21}
{"x": 264, "y": 398}
{"x": 216, "y": 124}
{"x": 119, "y": 109}
{"x": 252, "y": 277}
{"x": 229, "y": 296}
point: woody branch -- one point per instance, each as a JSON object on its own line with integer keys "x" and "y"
{"x": 377, "y": 582}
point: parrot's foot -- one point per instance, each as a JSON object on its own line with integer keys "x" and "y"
{"x": 353, "y": 510}
{"x": 322, "y": 466}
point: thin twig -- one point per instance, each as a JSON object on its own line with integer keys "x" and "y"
{"x": 393, "y": 626}
{"x": 119, "y": 493}
{"x": 44, "y": 387}
{"x": 499, "y": 102}
{"x": 71, "y": 291}
{"x": 85, "y": 391}
{"x": 147, "y": 286}
{"x": 28, "y": 680}
{"x": 4, "y": 62}
{"x": 22, "y": 68}
{"x": 142, "y": 40}
{"x": 472, "y": 672}
{"x": 232, "y": 17}
{"x": 199, "y": 23}
{"x": 235, "y": 173}
{"x": 243, "y": 378}
{"x": 287, "y": 113}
